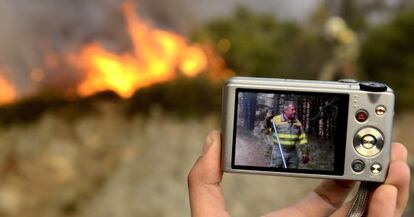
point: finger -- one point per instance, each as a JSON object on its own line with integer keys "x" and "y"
{"x": 343, "y": 211}
{"x": 206, "y": 197}
{"x": 398, "y": 152}
{"x": 399, "y": 177}
{"x": 383, "y": 201}
{"x": 323, "y": 201}
{"x": 334, "y": 192}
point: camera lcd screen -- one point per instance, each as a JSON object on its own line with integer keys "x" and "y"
{"x": 289, "y": 131}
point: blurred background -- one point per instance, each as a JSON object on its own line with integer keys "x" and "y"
{"x": 104, "y": 104}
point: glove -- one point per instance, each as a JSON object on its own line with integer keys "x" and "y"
{"x": 305, "y": 159}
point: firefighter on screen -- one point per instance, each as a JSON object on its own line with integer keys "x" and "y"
{"x": 289, "y": 133}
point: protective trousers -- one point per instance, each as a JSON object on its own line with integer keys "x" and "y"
{"x": 290, "y": 154}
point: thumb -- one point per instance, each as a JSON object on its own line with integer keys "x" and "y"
{"x": 206, "y": 196}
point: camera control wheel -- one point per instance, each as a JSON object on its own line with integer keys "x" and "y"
{"x": 372, "y": 86}
{"x": 368, "y": 141}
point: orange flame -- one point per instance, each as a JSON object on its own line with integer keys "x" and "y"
{"x": 7, "y": 90}
{"x": 157, "y": 56}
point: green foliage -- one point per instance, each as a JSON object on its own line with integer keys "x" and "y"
{"x": 260, "y": 45}
{"x": 387, "y": 55}
{"x": 354, "y": 13}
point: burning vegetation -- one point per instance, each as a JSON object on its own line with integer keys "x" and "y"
{"x": 7, "y": 90}
{"x": 156, "y": 57}
{"x": 160, "y": 70}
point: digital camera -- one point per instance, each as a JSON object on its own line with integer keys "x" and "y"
{"x": 317, "y": 129}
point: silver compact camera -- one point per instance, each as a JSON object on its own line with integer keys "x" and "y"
{"x": 316, "y": 129}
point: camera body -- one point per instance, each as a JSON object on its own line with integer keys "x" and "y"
{"x": 316, "y": 129}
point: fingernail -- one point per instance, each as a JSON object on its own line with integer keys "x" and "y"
{"x": 207, "y": 144}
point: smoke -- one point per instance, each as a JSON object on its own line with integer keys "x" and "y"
{"x": 31, "y": 29}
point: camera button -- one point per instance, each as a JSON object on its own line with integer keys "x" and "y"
{"x": 368, "y": 141}
{"x": 380, "y": 110}
{"x": 358, "y": 166}
{"x": 346, "y": 80}
{"x": 361, "y": 115}
{"x": 376, "y": 169}
{"x": 372, "y": 86}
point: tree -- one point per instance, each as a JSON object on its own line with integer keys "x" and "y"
{"x": 247, "y": 110}
{"x": 260, "y": 45}
{"x": 387, "y": 55}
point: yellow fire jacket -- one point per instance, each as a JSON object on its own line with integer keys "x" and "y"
{"x": 289, "y": 132}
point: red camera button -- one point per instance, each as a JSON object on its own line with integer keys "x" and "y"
{"x": 361, "y": 115}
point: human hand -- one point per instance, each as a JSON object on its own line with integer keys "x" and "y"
{"x": 389, "y": 199}
{"x": 305, "y": 158}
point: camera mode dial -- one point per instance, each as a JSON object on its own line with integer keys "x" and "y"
{"x": 368, "y": 141}
{"x": 372, "y": 86}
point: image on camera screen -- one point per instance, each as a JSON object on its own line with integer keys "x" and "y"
{"x": 287, "y": 131}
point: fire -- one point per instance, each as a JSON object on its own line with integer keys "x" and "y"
{"x": 157, "y": 56}
{"x": 7, "y": 90}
